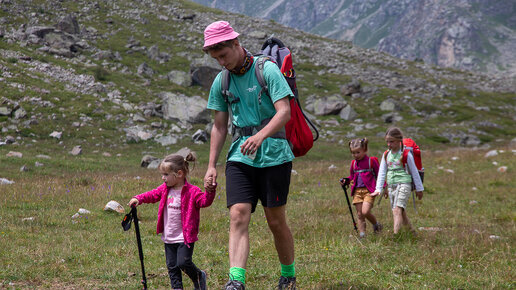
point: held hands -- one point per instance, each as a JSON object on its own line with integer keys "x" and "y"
{"x": 210, "y": 179}
{"x": 133, "y": 202}
{"x": 419, "y": 195}
{"x": 209, "y": 185}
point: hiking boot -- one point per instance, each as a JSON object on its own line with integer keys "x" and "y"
{"x": 378, "y": 227}
{"x": 287, "y": 283}
{"x": 202, "y": 281}
{"x": 234, "y": 285}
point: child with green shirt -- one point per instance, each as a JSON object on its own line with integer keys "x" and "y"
{"x": 399, "y": 178}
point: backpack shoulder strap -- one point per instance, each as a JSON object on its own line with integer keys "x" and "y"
{"x": 258, "y": 71}
{"x": 404, "y": 156}
{"x": 385, "y": 155}
{"x": 354, "y": 165}
{"x": 224, "y": 85}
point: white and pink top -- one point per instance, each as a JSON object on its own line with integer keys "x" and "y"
{"x": 172, "y": 226}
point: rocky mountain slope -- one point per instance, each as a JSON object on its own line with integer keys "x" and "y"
{"x": 102, "y": 74}
{"x": 476, "y": 35}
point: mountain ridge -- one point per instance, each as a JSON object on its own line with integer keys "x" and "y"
{"x": 477, "y": 35}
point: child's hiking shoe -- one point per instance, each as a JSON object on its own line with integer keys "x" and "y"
{"x": 202, "y": 281}
{"x": 234, "y": 285}
{"x": 378, "y": 227}
{"x": 287, "y": 283}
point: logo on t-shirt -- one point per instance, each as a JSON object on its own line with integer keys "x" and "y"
{"x": 252, "y": 89}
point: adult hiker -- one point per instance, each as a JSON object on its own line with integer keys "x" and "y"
{"x": 259, "y": 160}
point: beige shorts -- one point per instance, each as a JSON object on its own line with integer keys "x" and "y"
{"x": 362, "y": 195}
{"x": 399, "y": 194}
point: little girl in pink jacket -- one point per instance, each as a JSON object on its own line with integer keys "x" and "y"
{"x": 178, "y": 217}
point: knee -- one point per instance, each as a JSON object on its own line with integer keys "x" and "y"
{"x": 398, "y": 211}
{"x": 239, "y": 217}
{"x": 361, "y": 214}
{"x": 276, "y": 225}
{"x": 184, "y": 264}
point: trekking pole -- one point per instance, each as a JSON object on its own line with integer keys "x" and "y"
{"x": 349, "y": 206}
{"x": 140, "y": 250}
{"x": 126, "y": 224}
{"x": 414, "y": 200}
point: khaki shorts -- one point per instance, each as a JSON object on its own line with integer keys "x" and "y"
{"x": 399, "y": 194}
{"x": 362, "y": 195}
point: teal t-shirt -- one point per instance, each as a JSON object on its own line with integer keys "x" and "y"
{"x": 249, "y": 112}
{"x": 396, "y": 173}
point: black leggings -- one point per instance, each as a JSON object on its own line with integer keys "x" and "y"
{"x": 179, "y": 257}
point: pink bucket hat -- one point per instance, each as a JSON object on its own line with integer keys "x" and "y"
{"x": 217, "y": 32}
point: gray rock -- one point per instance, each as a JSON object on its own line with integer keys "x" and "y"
{"x": 183, "y": 151}
{"x": 323, "y": 106}
{"x": 56, "y": 134}
{"x": 347, "y": 113}
{"x": 351, "y": 88}
{"x": 180, "y": 78}
{"x": 389, "y": 105}
{"x": 391, "y": 118}
{"x": 24, "y": 168}
{"x": 166, "y": 140}
{"x": 204, "y": 70}
{"x": 145, "y": 70}
{"x": 183, "y": 108}
{"x": 9, "y": 139}
{"x": 5, "y": 111}
{"x": 147, "y": 159}
{"x": 470, "y": 140}
{"x": 200, "y": 137}
{"x": 68, "y": 24}
{"x": 77, "y": 150}
{"x": 154, "y": 164}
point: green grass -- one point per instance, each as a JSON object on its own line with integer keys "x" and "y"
{"x": 51, "y": 250}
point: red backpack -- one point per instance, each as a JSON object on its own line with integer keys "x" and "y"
{"x": 297, "y": 131}
{"x": 410, "y": 145}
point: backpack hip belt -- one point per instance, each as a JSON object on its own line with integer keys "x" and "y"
{"x": 238, "y": 132}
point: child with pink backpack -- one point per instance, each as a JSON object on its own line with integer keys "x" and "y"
{"x": 362, "y": 178}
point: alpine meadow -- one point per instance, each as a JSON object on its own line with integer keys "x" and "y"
{"x": 92, "y": 92}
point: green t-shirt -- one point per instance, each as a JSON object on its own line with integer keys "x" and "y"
{"x": 396, "y": 173}
{"x": 248, "y": 112}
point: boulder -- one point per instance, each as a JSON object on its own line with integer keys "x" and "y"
{"x": 68, "y": 24}
{"x": 347, "y": 113}
{"x": 323, "y": 106}
{"x": 180, "y": 78}
{"x": 184, "y": 108}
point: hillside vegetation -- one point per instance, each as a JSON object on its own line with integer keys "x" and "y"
{"x": 100, "y": 85}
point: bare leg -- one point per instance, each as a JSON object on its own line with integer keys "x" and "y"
{"x": 361, "y": 217}
{"x": 398, "y": 218}
{"x": 283, "y": 240}
{"x": 366, "y": 212}
{"x": 240, "y": 216}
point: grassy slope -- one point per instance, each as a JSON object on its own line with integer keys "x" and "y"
{"x": 95, "y": 252}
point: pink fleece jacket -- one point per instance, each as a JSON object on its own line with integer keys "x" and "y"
{"x": 367, "y": 177}
{"x": 192, "y": 200}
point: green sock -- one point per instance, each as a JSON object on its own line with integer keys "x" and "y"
{"x": 237, "y": 273}
{"x": 288, "y": 271}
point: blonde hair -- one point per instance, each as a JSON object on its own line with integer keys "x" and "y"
{"x": 358, "y": 143}
{"x": 176, "y": 162}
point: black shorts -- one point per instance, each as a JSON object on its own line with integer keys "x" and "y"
{"x": 247, "y": 184}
